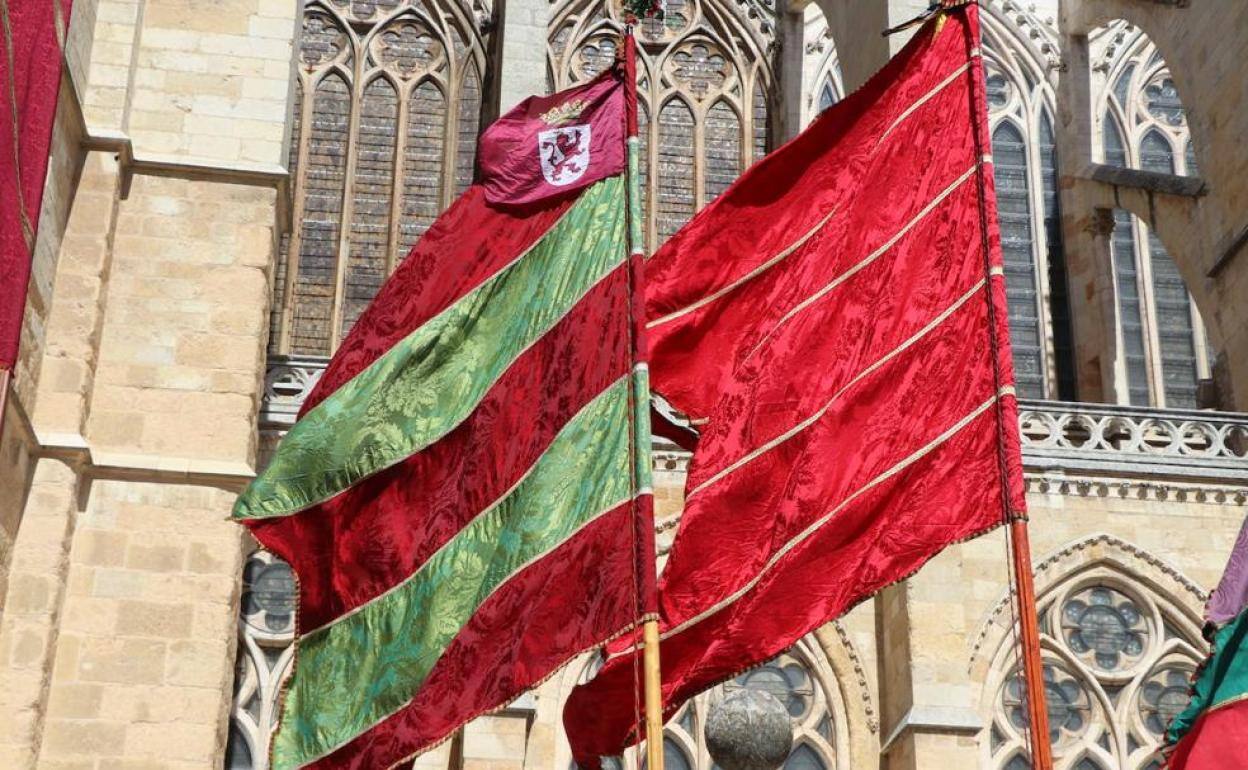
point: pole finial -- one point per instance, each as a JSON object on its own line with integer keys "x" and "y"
{"x": 635, "y": 10}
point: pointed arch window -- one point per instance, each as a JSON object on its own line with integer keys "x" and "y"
{"x": 827, "y": 96}
{"x": 388, "y": 98}
{"x": 821, "y": 66}
{"x": 1020, "y": 104}
{"x": 703, "y": 72}
{"x": 1162, "y": 342}
{"x": 1018, "y": 241}
{"x": 1117, "y": 662}
{"x": 801, "y": 680}
{"x": 266, "y": 632}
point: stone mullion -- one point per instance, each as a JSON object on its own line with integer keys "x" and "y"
{"x": 1040, "y": 250}
{"x": 450, "y": 144}
{"x": 652, "y": 175}
{"x": 698, "y": 111}
{"x": 1148, "y": 314}
{"x": 356, "y": 91}
{"x": 745, "y": 129}
{"x": 398, "y": 172}
{"x": 298, "y": 185}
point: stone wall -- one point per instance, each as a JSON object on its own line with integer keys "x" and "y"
{"x": 1205, "y": 230}
{"x": 134, "y": 422}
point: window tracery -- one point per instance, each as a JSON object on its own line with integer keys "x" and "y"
{"x": 266, "y": 632}
{"x": 801, "y": 680}
{"x": 704, "y": 79}
{"x": 1117, "y": 662}
{"x": 1020, "y": 105}
{"x": 821, "y": 66}
{"x": 1144, "y": 126}
{"x": 388, "y": 97}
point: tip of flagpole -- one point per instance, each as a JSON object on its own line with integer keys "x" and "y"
{"x": 936, "y": 6}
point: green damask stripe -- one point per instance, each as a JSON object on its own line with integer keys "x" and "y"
{"x": 367, "y": 665}
{"x": 643, "y": 440}
{"x": 435, "y": 377}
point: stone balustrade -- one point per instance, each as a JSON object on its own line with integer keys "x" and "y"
{"x": 1107, "y": 439}
{"x": 1077, "y": 438}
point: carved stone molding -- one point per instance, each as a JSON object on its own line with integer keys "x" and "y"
{"x": 1137, "y": 489}
{"x": 996, "y": 617}
{"x": 1040, "y": 31}
{"x": 860, "y": 676}
{"x": 1135, "y": 442}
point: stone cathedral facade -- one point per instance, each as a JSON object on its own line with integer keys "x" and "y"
{"x": 232, "y": 181}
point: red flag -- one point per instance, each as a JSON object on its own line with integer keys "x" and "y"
{"x": 836, "y": 322}
{"x": 30, "y": 77}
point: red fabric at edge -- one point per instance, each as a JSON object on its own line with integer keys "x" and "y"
{"x": 1218, "y": 741}
{"x": 35, "y": 81}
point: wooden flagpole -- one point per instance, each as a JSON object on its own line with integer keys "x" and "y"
{"x": 1024, "y": 585}
{"x": 5, "y": 377}
{"x": 455, "y": 758}
{"x": 654, "y": 696}
{"x": 652, "y": 676}
{"x": 1029, "y": 642}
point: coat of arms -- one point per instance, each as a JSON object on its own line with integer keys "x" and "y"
{"x": 564, "y": 153}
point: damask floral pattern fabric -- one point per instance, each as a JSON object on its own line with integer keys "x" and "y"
{"x": 461, "y": 488}
{"x": 835, "y": 323}
{"x": 431, "y": 380}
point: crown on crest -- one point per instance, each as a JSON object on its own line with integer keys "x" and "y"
{"x": 564, "y": 113}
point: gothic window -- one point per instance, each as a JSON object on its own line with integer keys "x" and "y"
{"x": 266, "y": 632}
{"x": 704, "y": 75}
{"x": 1020, "y": 106}
{"x": 1117, "y": 663}
{"x": 827, "y": 96}
{"x": 388, "y": 96}
{"x": 798, "y": 681}
{"x": 1143, "y": 125}
{"x": 821, "y": 68}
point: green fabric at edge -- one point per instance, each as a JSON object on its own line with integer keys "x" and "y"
{"x": 429, "y": 382}
{"x": 367, "y": 665}
{"x": 1223, "y": 679}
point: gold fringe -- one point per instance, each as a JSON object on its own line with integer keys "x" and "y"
{"x": 669, "y": 713}
{"x": 280, "y": 700}
{"x": 631, "y": 627}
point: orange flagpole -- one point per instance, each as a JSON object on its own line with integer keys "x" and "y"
{"x": 1024, "y": 584}
{"x": 1029, "y": 642}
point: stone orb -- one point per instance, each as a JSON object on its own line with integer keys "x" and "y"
{"x": 749, "y": 730}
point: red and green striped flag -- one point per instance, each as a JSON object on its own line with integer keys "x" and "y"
{"x": 1212, "y": 732}
{"x": 464, "y": 497}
